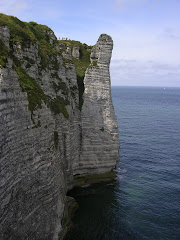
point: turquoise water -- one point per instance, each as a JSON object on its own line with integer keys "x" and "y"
{"x": 144, "y": 201}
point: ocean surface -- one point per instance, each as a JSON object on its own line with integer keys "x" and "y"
{"x": 144, "y": 201}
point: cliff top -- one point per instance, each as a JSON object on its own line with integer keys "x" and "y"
{"x": 23, "y": 32}
{"x": 17, "y": 36}
{"x": 83, "y": 62}
{"x": 26, "y": 33}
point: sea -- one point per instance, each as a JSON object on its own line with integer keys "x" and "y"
{"x": 143, "y": 203}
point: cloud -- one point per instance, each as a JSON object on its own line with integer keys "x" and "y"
{"x": 144, "y": 73}
{"x": 171, "y": 33}
{"x": 158, "y": 44}
{"x": 13, "y": 6}
{"x": 121, "y": 4}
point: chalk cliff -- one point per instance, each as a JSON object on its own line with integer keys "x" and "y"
{"x": 56, "y": 122}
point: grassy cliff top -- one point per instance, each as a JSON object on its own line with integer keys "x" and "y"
{"x": 29, "y": 33}
{"x": 83, "y": 62}
{"x": 23, "y": 32}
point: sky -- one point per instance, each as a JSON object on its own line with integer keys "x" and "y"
{"x": 146, "y": 33}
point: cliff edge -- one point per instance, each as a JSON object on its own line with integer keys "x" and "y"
{"x": 57, "y": 124}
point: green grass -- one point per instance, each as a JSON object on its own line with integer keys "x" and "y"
{"x": 4, "y": 54}
{"x": 19, "y": 31}
{"x": 28, "y": 84}
{"x": 36, "y": 95}
{"x": 80, "y": 64}
{"x": 60, "y": 86}
{"x": 27, "y": 33}
{"x": 66, "y": 60}
{"x": 58, "y": 105}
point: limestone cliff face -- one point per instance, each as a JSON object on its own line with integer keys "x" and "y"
{"x": 45, "y": 138}
{"x": 99, "y": 130}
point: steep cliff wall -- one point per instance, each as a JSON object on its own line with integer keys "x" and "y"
{"x": 99, "y": 130}
{"x": 56, "y": 121}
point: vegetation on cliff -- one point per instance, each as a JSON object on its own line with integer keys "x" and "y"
{"x": 81, "y": 64}
{"x": 36, "y": 95}
{"x": 26, "y": 34}
{"x": 4, "y": 53}
{"x": 29, "y": 33}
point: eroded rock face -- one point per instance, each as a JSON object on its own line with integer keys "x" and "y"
{"x": 36, "y": 168}
{"x": 76, "y": 52}
{"x": 41, "y": 151}
{"x": 67, "y": 52}
{"x": 4, "y": 35}
{"x": 100, "y": 141}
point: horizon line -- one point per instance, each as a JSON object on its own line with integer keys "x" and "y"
{"x": 145, "y": 86}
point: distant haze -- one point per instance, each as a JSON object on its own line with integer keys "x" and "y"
{"x": 146, "y": 33}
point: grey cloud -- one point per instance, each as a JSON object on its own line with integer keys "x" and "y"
{"x": 171, "y": 33}
{"x": 147, "y": 73}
